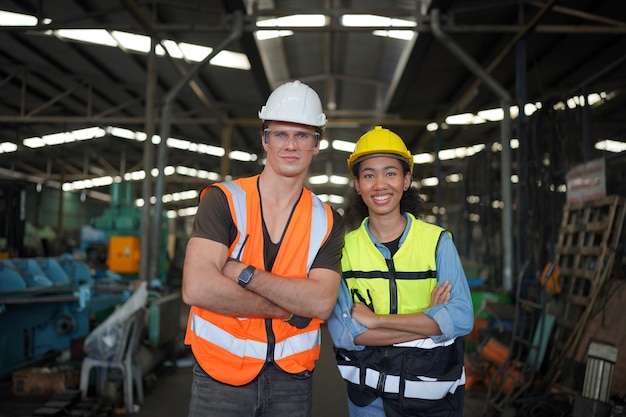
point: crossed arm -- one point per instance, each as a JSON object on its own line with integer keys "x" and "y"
{"x": 210, "y": 282}
{"x": 386, "y": 329}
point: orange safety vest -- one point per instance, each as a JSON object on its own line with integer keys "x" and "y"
{"x": 234, "y": 349}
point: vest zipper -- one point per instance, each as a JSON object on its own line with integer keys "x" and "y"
{"x": 271, "y": 341}
{"x": 393, "y": 288}
{"x": 380, "y": 388}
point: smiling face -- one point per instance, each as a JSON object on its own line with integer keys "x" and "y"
{"x": 381, "y": 181}
{"x": 287, "y": 152}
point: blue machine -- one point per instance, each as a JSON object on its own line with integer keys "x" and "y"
{"x": 45, "y": 305}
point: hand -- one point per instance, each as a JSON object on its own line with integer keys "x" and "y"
{"x": 298, "y": 321}
{"x": 441, "y": 294}
{"x": 362, "y": 313}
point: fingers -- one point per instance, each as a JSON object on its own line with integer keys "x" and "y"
{"x": 441, "y": 294}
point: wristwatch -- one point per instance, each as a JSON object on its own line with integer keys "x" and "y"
{"x": 246, "y": 275}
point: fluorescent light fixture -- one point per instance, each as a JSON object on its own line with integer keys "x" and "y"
{"x": 121, "y": 133}
{"x": 430, "y": 182}
{"x": 89, "y": 183}
{"x": 331, "y": 198}
{"x": 18, "y": 19}
{"x": 447, "y": 154}
{"x": 423, "y": 158}
{"x": 6, "y": 147}
{"x": 454, "y": 178}
{"x": 242, "y": 156}
{"x": 88, "y": 133}
{"x": 339, "y": 180}
{"x": 370, "y": 20}
{"x": 229, "y": 59}
{"x": 296, "y": 20}
{"x": 432, "y": 126}
{"x": 197, "y": 173}
{"x": 318, "y": 179}
{"x": 194, "y": 52}
{"x": 263, "y": 35}
{"x": 97, "y": 36}
{"x": 323, "y": 144}
{"x": 464, "y": 119}
{"x": 132, "y": 41}
{"x": 137, "y": 43}
{"x": 342, "y": 145}
{"x": 308, "y": 20}
{"x": 57, "y": 138}
{"x": 171, "y": 47}
{"x": 611, "y": 146}
{"x": 492, "y": 115}
{"x": 405, "y": 35}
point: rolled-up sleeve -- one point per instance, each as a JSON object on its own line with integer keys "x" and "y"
{"x": 456, "y": 317}
{"x": 343, "y": 328}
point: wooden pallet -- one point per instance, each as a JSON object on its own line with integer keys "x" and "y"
{"x": 588, "y": 237}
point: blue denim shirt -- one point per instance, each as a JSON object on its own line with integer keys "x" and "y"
{"x": 455, "y": 318}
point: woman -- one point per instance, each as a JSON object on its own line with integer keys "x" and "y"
{"x": 403, "y": 285}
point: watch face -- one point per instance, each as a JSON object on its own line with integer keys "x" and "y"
{"x": 246, "y": 275}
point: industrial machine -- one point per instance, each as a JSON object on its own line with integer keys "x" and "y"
{"x": 121, "y": 224}
{"x": 46, "y": 304}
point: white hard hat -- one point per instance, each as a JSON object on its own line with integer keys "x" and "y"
{"x": 294, "y": 102}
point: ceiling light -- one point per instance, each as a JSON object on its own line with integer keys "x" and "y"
{"x": 6, "y": 147}
{"x": 339, "y": 180}
{"x": 342, "y": 145}
{"x": 318, "y": 179}
{"x": 296, "y": 20}
{"x": 611, "y": 146}
{"x": 17, "y": 19}
{"x": 423, "y": 158}
{"x": 430, "y": 182}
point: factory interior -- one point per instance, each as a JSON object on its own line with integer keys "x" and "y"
{"x": 115, "y": 114}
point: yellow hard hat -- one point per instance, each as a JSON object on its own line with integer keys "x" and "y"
{"x": 380, "y": 142}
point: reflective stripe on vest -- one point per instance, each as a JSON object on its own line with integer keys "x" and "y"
{"x": 319, "y": 222}
{"x": 426, "y": 389}
{"x": 250, "y": 348}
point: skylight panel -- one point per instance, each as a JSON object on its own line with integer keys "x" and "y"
{"x": 369, "y": 20}
{"x": 97, "y": 36}
{"x": 132, "y": 41}
{"x": 296, "y": 20}
{"x": 17, "y": 19}
{"x": 231, "y": 59}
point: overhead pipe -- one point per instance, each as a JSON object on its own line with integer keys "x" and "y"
{"x": 505, "y": 134}
{"x": 165, "y": 133}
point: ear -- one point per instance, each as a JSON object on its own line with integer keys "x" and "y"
{"x": 357, "y": 186}
{"x": 407, "y": 181}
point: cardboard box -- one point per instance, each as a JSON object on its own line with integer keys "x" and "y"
{"x": 44, "y": 381}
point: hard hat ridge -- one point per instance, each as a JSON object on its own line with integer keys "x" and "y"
{"x": 294, "y": 102}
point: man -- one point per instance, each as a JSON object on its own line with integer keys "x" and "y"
{"x": 262, "y": 271}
